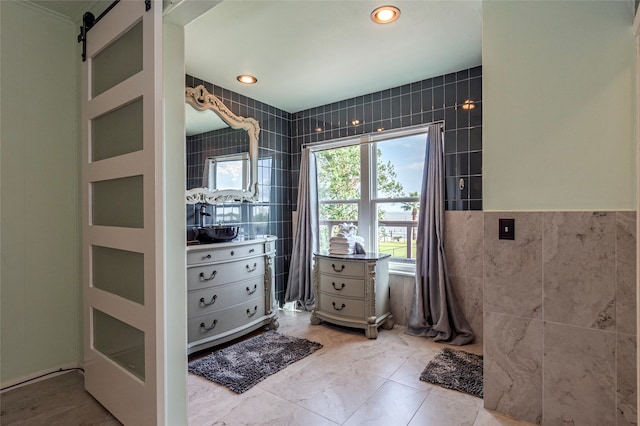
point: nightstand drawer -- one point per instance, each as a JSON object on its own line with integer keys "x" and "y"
{"x": 341, "y": 267}
{"x": 339, "y": 286}
{"x": 340, "y": 306}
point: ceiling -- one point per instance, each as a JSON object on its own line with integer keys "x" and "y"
{"x": 307, "y": 53}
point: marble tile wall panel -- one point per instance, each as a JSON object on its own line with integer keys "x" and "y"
{"x": 579, "y": 268}
{"x": 585, "y": 263}
{"x": 579, "y": 376}
{"x": 460, "y": 289}
{"x": 463, "y": 243}
{"x": 626, "y": 272}
{"x": 473, "y": 309}
{"x": 401, "y": 297}
{"x": 513, "y": 268}
{"x": 464, "y": 251}
{"x": 626, "y": 374}
{"x": 513, "y": 366}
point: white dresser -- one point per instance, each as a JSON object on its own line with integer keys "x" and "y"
{"x": 352, "y": 291}
{"x": 230, "y": 290}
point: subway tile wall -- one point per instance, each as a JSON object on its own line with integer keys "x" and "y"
{"x": 422, "y": 102}
{"x": 272, "y": 213}
{"x": 282, "y": 135}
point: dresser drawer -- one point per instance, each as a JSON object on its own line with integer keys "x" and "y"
{"x": 339, "y": 286}
{"x": 196, "y": 257}
{"x": 341, "y": 267}
{"x": 225, "y": 320}
{"x": 340, "y": 306}
{"x": 211, "y": 275}
{"x": 201, "y": 302}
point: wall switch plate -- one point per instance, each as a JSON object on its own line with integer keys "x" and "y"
{"x": 507, "y": 229}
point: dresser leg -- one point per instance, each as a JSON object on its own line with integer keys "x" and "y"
{"x": 274, "y": 324}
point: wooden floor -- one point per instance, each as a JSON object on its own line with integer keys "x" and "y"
{"x": 60, "y": 400}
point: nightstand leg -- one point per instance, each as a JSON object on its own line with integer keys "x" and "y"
{"x": 314, "y": 318}
{"x": 371, "y": 332}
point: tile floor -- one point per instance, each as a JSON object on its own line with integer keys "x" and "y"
{"x": 350, "y": 381}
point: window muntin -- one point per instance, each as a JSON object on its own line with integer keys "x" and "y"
{"x": 375, "y": 186}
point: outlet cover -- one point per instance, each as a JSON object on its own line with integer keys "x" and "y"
{"x": 507, "y": 229}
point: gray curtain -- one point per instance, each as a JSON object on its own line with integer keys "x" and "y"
{"x": 435, "y": 312}
{"x": 300, "y": 283}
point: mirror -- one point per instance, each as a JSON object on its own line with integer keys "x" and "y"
{"x": 226, "y": 172}
{"x": 228, "y": 176}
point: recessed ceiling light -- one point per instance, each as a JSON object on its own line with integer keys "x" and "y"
{"x": 385, "y": 14}
{"x": 355, "y": 122}
{"x": 246, "y": 79}
{"x": 468, "y": 104}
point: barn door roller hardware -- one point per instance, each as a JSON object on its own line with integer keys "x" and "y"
{"x": 88, "y": 21}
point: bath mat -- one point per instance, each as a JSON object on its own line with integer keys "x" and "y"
{"x": 241, "y": 366}
{"x": 458, "y": 370}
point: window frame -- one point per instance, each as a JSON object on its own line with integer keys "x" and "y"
{"x": 368, "y": 202}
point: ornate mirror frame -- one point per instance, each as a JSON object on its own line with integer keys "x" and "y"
{"x": 200, "y": 99}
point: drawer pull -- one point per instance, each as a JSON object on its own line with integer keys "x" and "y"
{"x": 250, "y": 314}
{"x": 252, "y": 250}
{"x": 213, "y": 300}
{"x": 204, "y": 328}
{"x": 255, "y": 288}
{"x": 336, "y": 288}
{"x": 338, "y": 309}
{"x": 232, "y": 253}
{"x": 213, "y": 275}
{"x": 336, "y": 269}
{"x": 255, "y": 266}
{"x": 206, "y": 257}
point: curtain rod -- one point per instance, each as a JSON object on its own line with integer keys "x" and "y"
{"x": 372, "y": 137}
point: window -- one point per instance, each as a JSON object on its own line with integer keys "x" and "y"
{"x": 376, "y": 186}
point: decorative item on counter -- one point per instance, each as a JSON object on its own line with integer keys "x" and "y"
{"x": 215, "y": 233}
{"x": 346, "y": 241}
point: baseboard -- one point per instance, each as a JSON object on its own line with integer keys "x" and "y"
{"x": 37, "y": 377}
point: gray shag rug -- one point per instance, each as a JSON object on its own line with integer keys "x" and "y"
{"x": 242, "y": 365}
{"x": 458, "y": 370}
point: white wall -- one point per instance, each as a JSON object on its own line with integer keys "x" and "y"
{"x": 40, "y": 258}
{"x": 559, "y": 105}
{"x": 175, "y": 261}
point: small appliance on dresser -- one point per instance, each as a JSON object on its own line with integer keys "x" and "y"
{"x": 352, "y": 290}
{"x": 230, "y": 290}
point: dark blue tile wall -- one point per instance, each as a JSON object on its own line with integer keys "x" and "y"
{"x": 272, "y": 213}
{"x": 422, "y": 102}
{"x": 282, "y": 135}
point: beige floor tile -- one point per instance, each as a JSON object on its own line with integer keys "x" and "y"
{"x": 392, "y": 404}
{"x": 344, "y": 395}
{"x": 436, "y": 411}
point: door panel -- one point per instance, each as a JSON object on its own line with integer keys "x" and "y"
{"x": 123, "y": 280}
{"x": 118, "y": 61}
{"x": 117, "y": 132}
{"x": 118, "y": 202}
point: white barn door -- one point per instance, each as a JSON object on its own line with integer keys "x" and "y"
{"x": 123, "y": 213}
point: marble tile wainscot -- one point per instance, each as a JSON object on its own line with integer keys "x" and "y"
{"x": 464, "y": 250}
{"x": 559, "y": 317}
